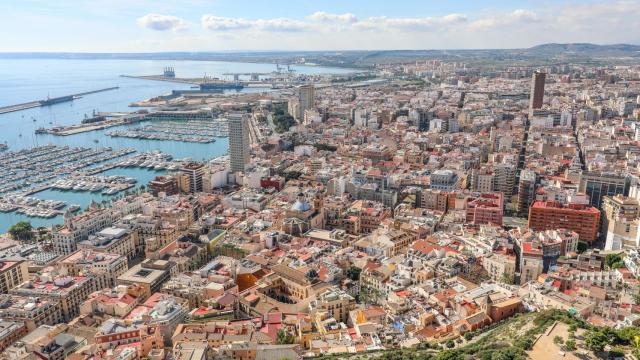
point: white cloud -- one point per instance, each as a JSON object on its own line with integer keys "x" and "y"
{"x": 281, "y": 24}
{"x": 414, "y": 24}
{"x": 525, "y": 15}
{"x": 217, "y": 23}
{"x": 333, "y": 22}
{"x": 507, "y": 19}
{"x": 211, "y": 22}
{"x": 161, "y": 22}
{"x": 599, "y": 21}
{"x": 346, "y": 18}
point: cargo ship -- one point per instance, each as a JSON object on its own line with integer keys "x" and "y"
{"x": 56, "y": 100}
{"x": 93, "y": 119}
{"x": 220, "y": 86}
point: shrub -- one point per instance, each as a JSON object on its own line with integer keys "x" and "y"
{"x": 558, "y": 340}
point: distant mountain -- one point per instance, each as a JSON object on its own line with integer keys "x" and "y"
{"x": 540, "y": 54}
{"x": 587, "y": 49}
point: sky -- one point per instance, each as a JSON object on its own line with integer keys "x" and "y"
{"x": 236, "y": 25}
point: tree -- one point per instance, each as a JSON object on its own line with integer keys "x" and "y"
{"x": 596, "y": 340}
{"x": 368, "y": 295}
{"x": 267, "y": 147}
{"x": 450, "y": 344}
{"x": 617, "y": 353}
{"x": 614, "y": 261}
{"x": 570, "y": 345}
{"x": 507, "y": 278}
{"x": 582, "y": 246}
{"x": 312, "y": 274}
{"x": 636, "y": 345}
{"x": 22, "y": 230}
{"x": 468, "y": 335}
{"x": 326, "y": 147}
{"x": 628, "y": 334}
{"x": 524, "y": 343}
{"x": 282, "y": 120}
{"x": 284, "y": 338}
{"x": 289, "y": 175}
{"x": 353, "y": 273}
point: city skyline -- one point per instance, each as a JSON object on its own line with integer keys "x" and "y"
{"x": 336, "y": 180}
{"x": 200, "y": 25}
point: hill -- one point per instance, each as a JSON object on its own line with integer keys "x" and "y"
{"x": 587, "y": 49}
{"x": 543, "y": 54}
{"x": 521, "y": 337}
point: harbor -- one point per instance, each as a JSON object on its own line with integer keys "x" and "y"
{"x": 108, "y": 185}
{"x": 155, "y": 160}
{"x": 284, "y": 76}
{"x": 29, "y": 171}
{"x": 68, "y": 169}
{"x": 28, "y": 168}
{"x": 50, "y": 101}
{"x": 33, "y": 207}
{"x": 200, "y": 131}
{"x": 117, "y": 120}
{"x": 40, "y": 77}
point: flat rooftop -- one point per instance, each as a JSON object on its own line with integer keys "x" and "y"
{"x": 138, "y": 274}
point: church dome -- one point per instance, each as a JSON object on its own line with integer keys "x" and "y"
{"x": 301, "y": 205}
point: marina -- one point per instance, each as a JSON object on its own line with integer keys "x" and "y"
{"x": 92, "y": 126}
{"x": 108, "y": 185}
{"x": 32, "y": 207}
{"x": 37, "y": 78}
{"x": 155, "y": 160}
{"x": 30, "y": 171}
{"x": 71, "y": 170}
{"x": 201, "y": 131}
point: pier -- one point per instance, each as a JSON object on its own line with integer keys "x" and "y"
{"x": 193, "y": 81}
{"x": 81, "y": 128}
{"x": 205, "y": 84}
{"x": 208, "y": 84}
{"x": 50, "y": 101}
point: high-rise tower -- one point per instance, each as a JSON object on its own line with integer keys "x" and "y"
{"x": 238, "y": 141}
{"x": 306, "y": 99}
{"x": 537, "y": 90}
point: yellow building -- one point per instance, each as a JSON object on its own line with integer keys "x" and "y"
{"x": 12, "y": 274}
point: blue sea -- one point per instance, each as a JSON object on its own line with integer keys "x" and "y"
{"x": 27, "y": 80}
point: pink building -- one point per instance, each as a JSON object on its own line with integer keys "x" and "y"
{"x": 487, "y": 208}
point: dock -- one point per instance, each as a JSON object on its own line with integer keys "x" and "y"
{"x": 81, "y": 128}
{"x": 205, "y": 84}
{"x": 193, "y": 81}
{"x": 50, "y": 101}
{"x": 214, "y": 85}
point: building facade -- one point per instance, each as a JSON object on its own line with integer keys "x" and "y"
{"x": 238, "y": 142}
